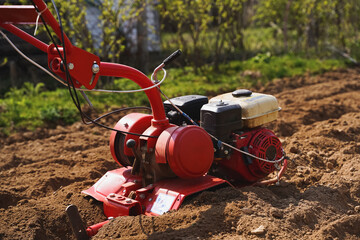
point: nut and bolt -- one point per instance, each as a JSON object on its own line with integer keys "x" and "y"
{"x": 95, "y": 68}
{"x": 71, "y": 66}
{"x": 150, "y": 199}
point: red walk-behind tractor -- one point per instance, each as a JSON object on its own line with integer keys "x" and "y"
{"x": 188, "y": 144}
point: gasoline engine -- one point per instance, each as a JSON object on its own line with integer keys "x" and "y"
{"x": 222, "y": 136}
{"x": 187, "y": 145}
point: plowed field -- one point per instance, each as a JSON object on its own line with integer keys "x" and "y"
{"x": 318, "y": 198}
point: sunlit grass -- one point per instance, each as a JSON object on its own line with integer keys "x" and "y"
{"x": 30, "y": 106}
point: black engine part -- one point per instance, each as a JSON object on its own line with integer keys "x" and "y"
{"x": 221, "y": 119}
{"x": 190, "y": 104}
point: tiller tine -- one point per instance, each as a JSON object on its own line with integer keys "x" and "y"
{"x": 76, "y": 223}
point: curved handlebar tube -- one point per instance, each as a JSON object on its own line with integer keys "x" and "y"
{"x": 119, "y": 70}
{"x": 83, "y": 61}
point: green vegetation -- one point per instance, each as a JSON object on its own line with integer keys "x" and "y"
{"x": 112, "y": 14}
{"x": 31, "y": 106}
{"x": 227, "y": 44}
{"x": 216, "y": 31}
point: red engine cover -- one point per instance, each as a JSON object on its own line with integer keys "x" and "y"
{"x": 260, "y": 142}
{"x": 187, "y": 149}
{"x": 264, "y": 144}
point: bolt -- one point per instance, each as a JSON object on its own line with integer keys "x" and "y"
{"x": 71, "y": 66}
{"x": 95, "y": 68}
{"x": 112, "y": 195}
{"x": 124, "y": 191}
{"x": 142, "y": 196}
{"x": 226, "y": 152}
{"x": 128, "y": 201}
{"x": 150, "y": 199}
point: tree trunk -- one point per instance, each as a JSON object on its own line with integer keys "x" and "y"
{"x": 285, "y": 26}
{"x": 338, "y": 10}
{"x": 311, "y": 30}
{"x": 13, "y": 73}
{"x": 142, "y": 54}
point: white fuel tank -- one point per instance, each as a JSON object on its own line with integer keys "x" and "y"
{"x": 257, "y": 108}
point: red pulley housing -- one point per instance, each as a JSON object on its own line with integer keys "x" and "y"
{"x": 188, "y": 150}
{"x": 134, "y": 123}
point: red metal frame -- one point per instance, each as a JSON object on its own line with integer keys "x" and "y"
{"x": 82, "y": 60}
{"x": 10, "y": 14}
{"x": 114, "y": 189}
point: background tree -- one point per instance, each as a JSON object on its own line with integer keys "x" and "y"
{"x": 206, "y": 30}
{"x": 191, "y": 19}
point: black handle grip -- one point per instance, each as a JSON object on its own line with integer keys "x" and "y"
{"x": 131, "y": 143}
{"x": 172, "y": 57}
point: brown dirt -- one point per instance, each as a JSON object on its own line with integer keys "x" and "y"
{"x": 319, "y": 197}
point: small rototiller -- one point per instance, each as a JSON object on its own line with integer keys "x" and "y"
{"x": 188, "y": 144}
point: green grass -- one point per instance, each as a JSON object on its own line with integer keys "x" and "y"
{"x": 261, "y": 40}
{"x": 272, "y": 67}
{"x": 31, "y": 106}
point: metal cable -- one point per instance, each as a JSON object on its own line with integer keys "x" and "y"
{"x": 220, "y": 142}
{"x": 65, "y": 84}
{"x": 80, "y": 89}
{"x": 30, "y": 60}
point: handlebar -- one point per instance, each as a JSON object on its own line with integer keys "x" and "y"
{"x": 86, "y": 68}
{"x": 167, "y": 61}
{"x": 172, "y": 57}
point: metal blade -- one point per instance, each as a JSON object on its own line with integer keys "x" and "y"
{"x": 76, "y": 223}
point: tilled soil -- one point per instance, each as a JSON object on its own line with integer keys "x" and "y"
{"x": 318, "y": 198}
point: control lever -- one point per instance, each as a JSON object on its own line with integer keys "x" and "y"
{"x": 172, "y": 57}
{"x": 131, "y": 143}
{"x": 167, "y": 61}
